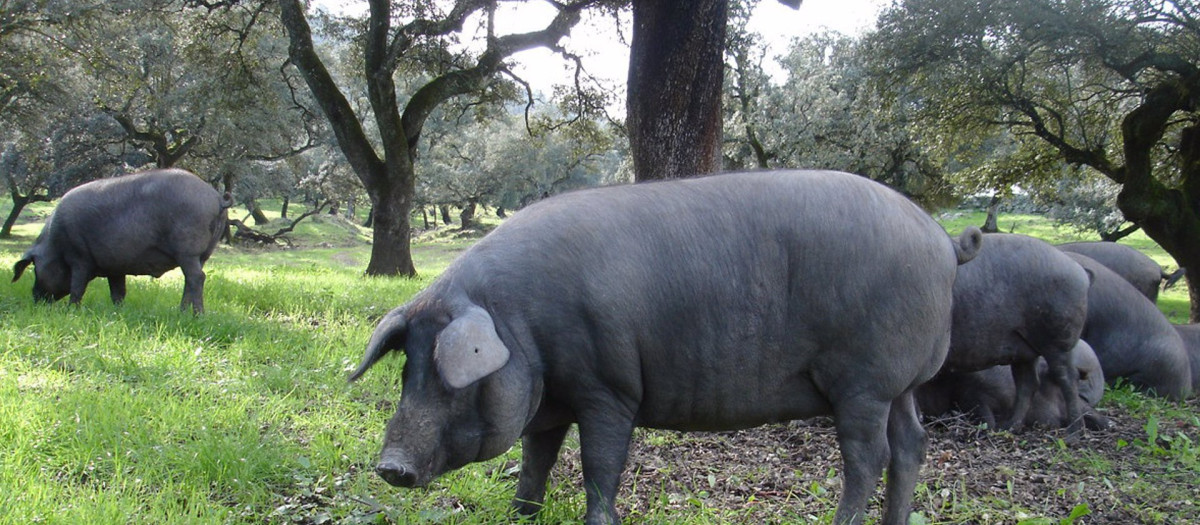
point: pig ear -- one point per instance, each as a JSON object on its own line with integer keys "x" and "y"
{"x": 19, "y": 267}
{"x": 388, "y": 336}
{"x": 469, "y": 348}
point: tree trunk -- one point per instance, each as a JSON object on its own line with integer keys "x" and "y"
{"x": 283, "y": 209}
{"x": 467, "y": 217}
{"x": 370, "y": 222}
{"x": 676, "y": 70}
{"x": 18, "y": 205}
{"x": 445, "y": 211}
{"x": 990, "y": 225}
{"x": 1169, "y": 216}
{"x": 388, "y": 174}
{"x": 256, "y": 212}
{"x": 390, "y": 253}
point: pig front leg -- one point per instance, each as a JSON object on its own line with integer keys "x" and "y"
{"x": 539, "y": 452}
{"x": 116, "y": 288}
{"x": 81, "y": 275}
{"x": 604, "y": 446}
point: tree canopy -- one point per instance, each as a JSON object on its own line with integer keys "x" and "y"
{"x": 1107, "y": 84}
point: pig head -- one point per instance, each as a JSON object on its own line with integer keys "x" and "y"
{"x": 466, "y": 398}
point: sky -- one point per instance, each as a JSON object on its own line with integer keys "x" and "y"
{"x": 606, "y": 57}
{"x": 598, "y": 39}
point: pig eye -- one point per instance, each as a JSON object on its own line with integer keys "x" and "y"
{"x": 1083, "y": 375}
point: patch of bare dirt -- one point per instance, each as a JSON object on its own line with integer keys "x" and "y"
{"x": 790, "y": 473}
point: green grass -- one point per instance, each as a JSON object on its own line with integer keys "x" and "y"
{"x": 143, "y": 414}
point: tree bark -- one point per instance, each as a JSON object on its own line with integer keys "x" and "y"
{"x": 676, "y": 70}
{"x": 392, "y": 229}
{"x": 467, "y": 216}
{"x": 990, "y": 225}
{"x": 1170, "y": 216}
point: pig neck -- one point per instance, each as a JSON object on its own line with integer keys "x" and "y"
{"x": 539, "y": 415}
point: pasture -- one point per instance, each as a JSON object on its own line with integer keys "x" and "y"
{"x": 143, "y": 414}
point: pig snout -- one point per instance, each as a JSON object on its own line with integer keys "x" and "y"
{"x": 397, "y": 474}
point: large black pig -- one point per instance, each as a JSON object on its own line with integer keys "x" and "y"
{"x": 714, "y": 303}
{"x": 1190, "y": 333}
{"x": 1021, "y": 299}
{"x": 1132, "y": 337}
{"x": 1139, "y": 269}
{"x": 141, "y": 224}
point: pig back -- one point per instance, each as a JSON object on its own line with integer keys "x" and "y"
{"x": 725, "y": 301}
{"x": 140, "y": 224}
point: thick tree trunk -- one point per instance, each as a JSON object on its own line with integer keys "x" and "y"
{"x": 390, "y": 253}
{"x": 1169, "y": 216}
{"x": 467, "y": 216}
{"x": 445, "y": 211}
{"x": 676, "y": 70}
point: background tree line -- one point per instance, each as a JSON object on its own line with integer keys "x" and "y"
{"x": 1084, "y": 108}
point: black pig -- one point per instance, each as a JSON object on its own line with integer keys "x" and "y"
{"x": 1021, "y": 299}
{"x": 721, "y": 302}
{"x": 1132, "y": 337}
{"x": 141, "y": 224}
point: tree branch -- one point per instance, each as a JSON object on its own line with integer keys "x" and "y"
{"x": 342, "y": 119}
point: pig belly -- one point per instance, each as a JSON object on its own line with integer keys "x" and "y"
{"x": 731, "y": 403}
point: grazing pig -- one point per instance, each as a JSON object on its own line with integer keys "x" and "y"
{"x": 141, "y": 224}
{"x": 1019, "y": 300}
{"x": 990, "y": 395}
{"x": 713, "y": 303}
{"x": 1134, "y": 266}
{"x": 1190, "y": 333}
{"x": 1131, "y": 337}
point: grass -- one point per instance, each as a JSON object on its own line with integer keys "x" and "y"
{"x": 143, "y": 414}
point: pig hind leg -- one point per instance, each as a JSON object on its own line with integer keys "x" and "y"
{"x": 862, "y": 436}
{"x": 906, "y": 441}
{"x": 193, "y": 285}
{"x": 1025, "y": 380}
{"x": 539, "y": 452}
{"x": 1063, "y": 374}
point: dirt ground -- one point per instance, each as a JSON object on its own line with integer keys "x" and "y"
{"x": 790, "y": 473}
